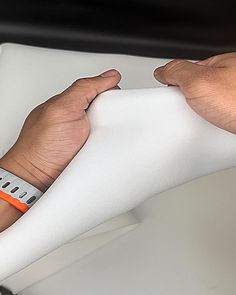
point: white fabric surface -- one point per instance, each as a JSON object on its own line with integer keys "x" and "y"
{"x": 142, "y": 142}
{"x": 71, "y": 252}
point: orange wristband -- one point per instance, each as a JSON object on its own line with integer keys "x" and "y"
{"x": 14, "y": 202}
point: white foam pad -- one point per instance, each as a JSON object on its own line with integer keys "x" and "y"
{"x": 142, "y": 142}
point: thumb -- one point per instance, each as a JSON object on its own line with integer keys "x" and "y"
{"x": 83, "y": 91}
{"x": 179, "y": 73}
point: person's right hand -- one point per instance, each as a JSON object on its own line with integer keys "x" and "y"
{"x": 209, "y": 87}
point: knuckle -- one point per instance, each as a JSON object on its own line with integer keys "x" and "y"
{"x": 88, "y": 89}
{"x": 51, "y": 110}
{"x": 85, "y": 82}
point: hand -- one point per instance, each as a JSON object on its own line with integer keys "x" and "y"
{"x": 209, "y": 87}
{"x": 55, "y": 131}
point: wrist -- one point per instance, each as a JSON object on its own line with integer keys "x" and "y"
{"x": 17, "y": 164}
{"x": 9, "y": 214}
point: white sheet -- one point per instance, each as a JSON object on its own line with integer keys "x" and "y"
{"x": 142, "y": 142}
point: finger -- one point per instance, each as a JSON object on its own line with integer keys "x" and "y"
{"x": 221, "y": 60}
{"x": 83, "y": 91}
{"x": 178, "y": 73}
{"x": 208, "y": 61}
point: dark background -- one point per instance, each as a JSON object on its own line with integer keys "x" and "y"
{"x": 160, "y": 28}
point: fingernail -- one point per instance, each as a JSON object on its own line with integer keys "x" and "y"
{"x": 110, "y": 73}
{"x": 158, "y": 70}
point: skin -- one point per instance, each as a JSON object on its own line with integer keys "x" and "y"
{"x": 56, "y": 130}
{"x": 209, "y": 87}
{"x": 53, "y": 133}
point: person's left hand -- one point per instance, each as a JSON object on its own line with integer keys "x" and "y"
{"x": 55, "y": 131}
